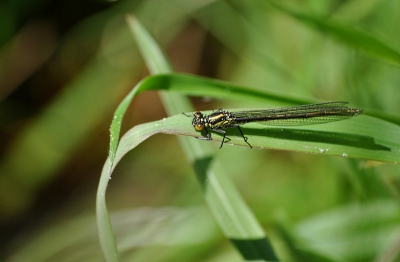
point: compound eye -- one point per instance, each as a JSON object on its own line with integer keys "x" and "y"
{"x": 199, "y": 127}
{"x": 198, "y": 114}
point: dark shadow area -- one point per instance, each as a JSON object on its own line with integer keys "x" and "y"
{"x": 335, "y": 138}
{"x": 255, "y": 249}
{"x": 200, "y": 168}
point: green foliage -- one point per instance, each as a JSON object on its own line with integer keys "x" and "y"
{"x": 337, "y": 202}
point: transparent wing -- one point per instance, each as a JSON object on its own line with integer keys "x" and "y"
{"x": 299, "y": 115}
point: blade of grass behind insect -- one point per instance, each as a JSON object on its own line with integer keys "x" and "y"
{"x": 232, "y": 214}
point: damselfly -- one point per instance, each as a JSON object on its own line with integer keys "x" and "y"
{"x": 287, "y": 116}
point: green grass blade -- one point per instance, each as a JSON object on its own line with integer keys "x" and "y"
{"x": 353, "y": 138}
{"x": 153, "y": 55}
{"x": 105, "y": 230}
{"x": 234, "y": 215}
{"x": 350, "y": 138}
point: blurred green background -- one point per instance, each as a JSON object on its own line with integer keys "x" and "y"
{"x": 65, "y": 67}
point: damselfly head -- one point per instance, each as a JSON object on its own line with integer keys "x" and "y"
{"x": 198, "y": 121}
